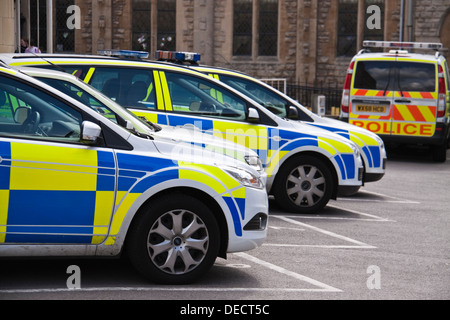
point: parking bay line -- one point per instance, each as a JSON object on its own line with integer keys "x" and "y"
{"x": 394, "y": 199}
{"x": 323, "y": 287}
{"x": 163, "y": 289}
{"x": 357, "y": 244}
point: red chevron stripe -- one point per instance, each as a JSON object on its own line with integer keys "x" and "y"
{"x": 416, "y": 113}
{"x": 426, "y": 95}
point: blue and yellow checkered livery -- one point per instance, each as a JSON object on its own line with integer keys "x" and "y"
{"x": 54, "y": 195}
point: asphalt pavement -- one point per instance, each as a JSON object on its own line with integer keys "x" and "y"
{"x": 390, "y": 241}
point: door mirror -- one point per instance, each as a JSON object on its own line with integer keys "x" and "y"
{"x": 253, "y": 115}
{"x": 293, "y": 113}
{"x": 21, "y": 114}
{"x": 90, "y": 132}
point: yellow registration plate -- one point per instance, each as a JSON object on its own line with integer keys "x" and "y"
{"x": 371, "y": 108}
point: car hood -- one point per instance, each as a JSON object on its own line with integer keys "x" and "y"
{"x": 188, "y": 152}
{"x": 340, "y": 126}
{"x": 186, "y": 136}
{"x": 305, "y": 127}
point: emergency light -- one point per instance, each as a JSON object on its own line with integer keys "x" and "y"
{"x": 402, "y": 45}
{"x": 124, "y": 53}
{"x": 178, "y": 56}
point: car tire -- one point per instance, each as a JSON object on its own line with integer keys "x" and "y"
{"x": 348, "y": 191}
{"x": 304, "y": 185}
{"x": 174, "y": 240}
{"x": 439, "y": 153}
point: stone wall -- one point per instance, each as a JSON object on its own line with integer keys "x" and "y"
{"x": 7, "y": 26}
{"x": 307, "y": 39}
{"x": 428, "y": 17}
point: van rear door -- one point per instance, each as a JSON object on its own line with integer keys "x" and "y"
{"x": 415, "y": 99}
{"x": 372, "y": 95}
{"x": 395, "y": 97}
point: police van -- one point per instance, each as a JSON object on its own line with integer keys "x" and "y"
{"x": 402, "y": 96}
{"x": 77, "y": 180}
{"x": 305, "y": 166}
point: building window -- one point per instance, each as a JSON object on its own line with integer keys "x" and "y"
{"x": 347, "y": 27}
{"x": 64, "y": 37}
{"x": 38, "y": 24}
{"x": 141, "y": 25}
{"x": 166, "y": 37}
{"x": 242, "y": 27}
{"x": 255, "y": 27}
{"x": 268, "y": 27}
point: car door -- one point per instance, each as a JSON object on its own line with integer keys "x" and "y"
{"x": 372, "y": 95}
{"x": 191, "y": 100}
{"x": 53, "y": 189}
{"x": 415, "y": 99}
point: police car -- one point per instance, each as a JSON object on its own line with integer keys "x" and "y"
{"x": 305, "y": 166}
{"x": 80, "y": 181}
{"x": 86, "y": 94}
{"x": 370, "y": 145}
{"x": 404, "y": 97}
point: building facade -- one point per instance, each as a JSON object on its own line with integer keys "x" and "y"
{"x": 303, "y": 41}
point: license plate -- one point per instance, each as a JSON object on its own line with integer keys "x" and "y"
{"x": 371, "y": 109}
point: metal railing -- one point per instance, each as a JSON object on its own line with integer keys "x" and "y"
{"x": 306, "y": 94}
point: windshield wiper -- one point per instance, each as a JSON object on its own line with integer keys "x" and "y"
{"x": 389, "y": 81}
{"x": 154, "y": 126}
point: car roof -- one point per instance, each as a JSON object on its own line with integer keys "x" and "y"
{"x": 400, "y": 55}
{"x": 35, "y": 82}
{"x": 43, "y": 59}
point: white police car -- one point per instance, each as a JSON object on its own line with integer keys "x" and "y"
{"x": 86, "y": 94}
{"x": 371, "y": 146}
{"x": 76, "y": 182}
{"x": 305, "y": 166}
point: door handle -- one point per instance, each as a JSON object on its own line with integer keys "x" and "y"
{"x": 403, "y": 100}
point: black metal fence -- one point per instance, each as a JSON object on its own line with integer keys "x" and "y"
{"x": 306, "y": 93}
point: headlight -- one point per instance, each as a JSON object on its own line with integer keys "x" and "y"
{"x": 255, "y": 162}
{"x": 380, "y": 141}
{"x": 354, "y": 148}
{"x": 246, "y": 178}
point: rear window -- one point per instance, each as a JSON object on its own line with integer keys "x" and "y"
{"x": 398, "y": 76}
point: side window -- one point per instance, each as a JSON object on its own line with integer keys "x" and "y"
{"x": 130, "y": 88}
{"x": 82, "y": 96}
{"x": 265, "y": 97}
{"x": 8, "y": 106}
{"x": 194, "y": 95}
{"x": 28, "y": 112}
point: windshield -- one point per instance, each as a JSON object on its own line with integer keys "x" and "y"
{"x": 395, "y": 76}
{"x": 268, "y": 99}
{"x": 103, "y": 105}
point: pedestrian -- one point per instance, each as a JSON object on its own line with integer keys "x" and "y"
{"x": 23, "y": 45}
{"x": 30, "y": 48}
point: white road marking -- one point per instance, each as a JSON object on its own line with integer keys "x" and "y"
{"x": 286, "y": 228}
{"x": 394, "y": 199}
{"x": 168, "y": 289}
{"x": 323, "y": 286}
{"x": 373, "y": 217}
{"x": 358, "y": 244}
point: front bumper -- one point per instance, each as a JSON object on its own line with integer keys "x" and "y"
{"x": 251, "y": 230}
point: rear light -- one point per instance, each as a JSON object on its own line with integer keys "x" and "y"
{"x": 442, "y": 93}
{"x": 345, "y": 104}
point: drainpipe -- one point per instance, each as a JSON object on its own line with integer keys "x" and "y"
{"x": 410, "y": 21}
{"x": 49, "y": 26}
{"x": 402, "y": 14}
